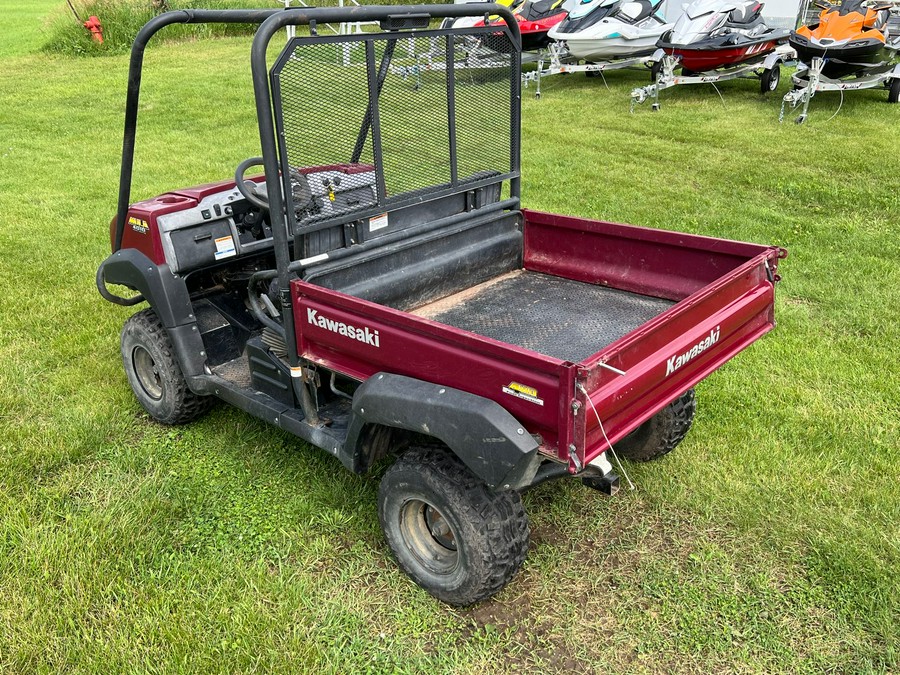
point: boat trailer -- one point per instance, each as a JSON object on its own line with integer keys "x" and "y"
{"x": 558, "y": 61}
{"x": 767, "y": 70}
{"x": 472, "y": 55}
{"x": 469, "y": 54}
{"x": 808, "y": 81}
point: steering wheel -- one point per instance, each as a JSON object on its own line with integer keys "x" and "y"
{"x": 248, "y": 188}
{"x": 256, "y": 193}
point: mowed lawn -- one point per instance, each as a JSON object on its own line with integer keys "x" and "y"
{"x": 767, "y": 542}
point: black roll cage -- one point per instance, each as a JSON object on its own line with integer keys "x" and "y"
{"x": 392, "y": 19}
{"x": 272, "y": 20}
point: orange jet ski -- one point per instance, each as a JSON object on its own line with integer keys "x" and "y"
{"x": 850, "y": 37}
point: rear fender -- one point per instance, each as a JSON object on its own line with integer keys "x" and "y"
{"x": 166, "y": 293}
{"x": 773, "y": 60}
{"x": 489, "y": 441}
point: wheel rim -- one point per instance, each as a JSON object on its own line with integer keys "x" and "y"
{"x": 773, "y": 81}
{"x": 147, "y": 373}
{"x": 429, "y": 536}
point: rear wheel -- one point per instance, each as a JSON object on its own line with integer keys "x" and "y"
{"x": 456, "y": 538}
{"x": 770, "y": 79}
{"x": 660, "y": 434}
{"x": 154, "y": 374}
{"x": 894, "y": 91}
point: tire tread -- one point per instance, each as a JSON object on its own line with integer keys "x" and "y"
{"x": 187, "y": 406}
{"x": 501, "y": 513}
{"x": 662, "y": 433}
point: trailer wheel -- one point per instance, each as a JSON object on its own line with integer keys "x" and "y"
{"x": 660, "y": 434}
{"x": 655, "y": 70}
{"x": 770, "y": 79}
{"x": 456, "y": 538}
{"x": 154, "y": 374}
{"x": 894, "y": 91}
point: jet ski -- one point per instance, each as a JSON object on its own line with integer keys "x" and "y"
{"x": 604, "y": 30}
{"x": 714, "y": 34}
{"x": 469, "y": 21}
{"x": 535, "y": 19}
{"x": 851, "y": 38}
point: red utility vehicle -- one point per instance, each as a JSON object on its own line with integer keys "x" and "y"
{"x": 380, "y": 291}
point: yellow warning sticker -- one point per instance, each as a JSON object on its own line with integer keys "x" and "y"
{"x": 378, "y": 222}
{"x": 523, "y": 391}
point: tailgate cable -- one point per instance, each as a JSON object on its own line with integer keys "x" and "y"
{"x": 606, "y": 438}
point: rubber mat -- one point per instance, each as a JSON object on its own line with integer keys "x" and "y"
{"x": 565, "y": 319}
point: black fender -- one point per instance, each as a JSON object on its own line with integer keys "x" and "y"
{"x": 166, "y": 293}
{"x": 488, "y": 440}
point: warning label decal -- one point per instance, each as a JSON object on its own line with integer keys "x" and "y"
{"x": 225, "y": 247}
{"x": 522, "y": 391}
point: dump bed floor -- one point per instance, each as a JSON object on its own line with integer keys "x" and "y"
{"x": 565, "y": 319}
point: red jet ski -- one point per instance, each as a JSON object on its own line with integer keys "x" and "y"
{"x": 714, "y": 34}
{"x": 535, "y": 19}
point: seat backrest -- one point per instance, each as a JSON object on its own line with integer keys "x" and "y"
{"x": 637, "y": 10}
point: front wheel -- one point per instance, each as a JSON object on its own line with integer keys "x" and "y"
{"x": 660, "y": 434}
{"x": 770, "y": 79}
{"x": 456, "y": 538}
{"x": 154, "y": 374}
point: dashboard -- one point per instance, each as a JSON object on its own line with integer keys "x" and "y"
{"x": 225, "y": 225}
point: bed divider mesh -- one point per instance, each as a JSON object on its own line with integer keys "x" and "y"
{"x": 373, "y": 121}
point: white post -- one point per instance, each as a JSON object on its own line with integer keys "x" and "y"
{"x": 291, "y": 30}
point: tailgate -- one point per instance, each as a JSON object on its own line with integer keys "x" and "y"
{"x": 725, "y": 292}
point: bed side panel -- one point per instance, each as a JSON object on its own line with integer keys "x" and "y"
{"x": 642, "y": 260}
{"x": 360, "y": 338}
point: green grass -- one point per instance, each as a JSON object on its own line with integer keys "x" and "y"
{"x": 24, "y": 23}
{"x": 122, "y": 19}
{"x": 767, "y": 542}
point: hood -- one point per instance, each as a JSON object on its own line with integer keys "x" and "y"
{"x": 703, "y": 7}
{"x": 621, "y": 14}
{"x": 581, "y": 8}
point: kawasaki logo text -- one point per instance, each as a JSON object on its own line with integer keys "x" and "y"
{"x": 676, "y": 361}
{"x": 366, "y": 335}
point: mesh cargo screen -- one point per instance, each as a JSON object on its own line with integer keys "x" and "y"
{"x": 391, "y": 118}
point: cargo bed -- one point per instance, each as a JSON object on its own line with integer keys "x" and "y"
{"x": 629, "y": 316}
